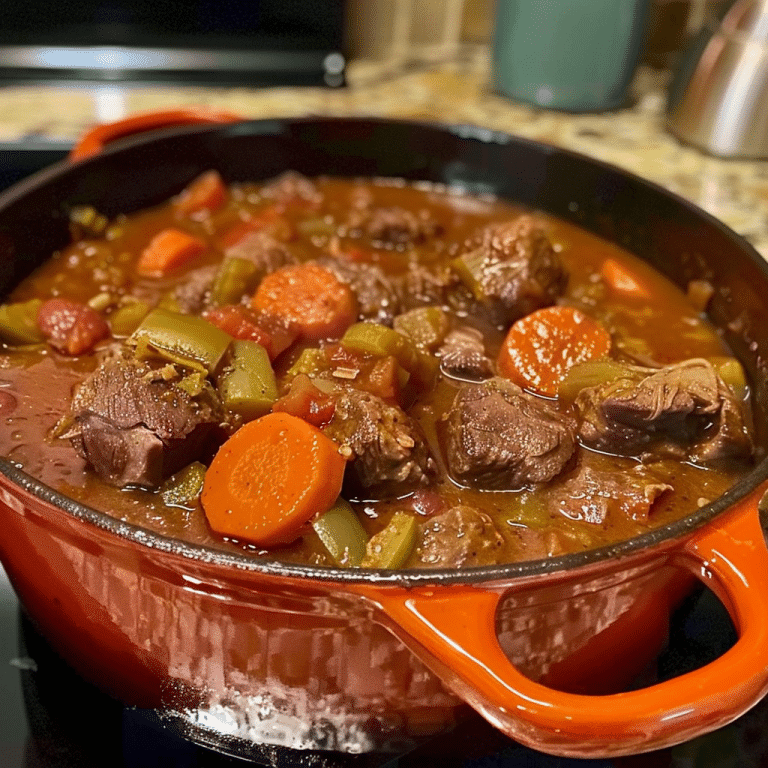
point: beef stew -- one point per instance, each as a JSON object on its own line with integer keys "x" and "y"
{"x": 486, "y": 384}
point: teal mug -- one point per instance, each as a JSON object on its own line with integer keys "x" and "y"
{"x": 573, "y": 55}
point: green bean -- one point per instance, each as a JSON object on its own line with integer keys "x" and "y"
{"x": 392, "y": 546}
{"x": 183, "y": 339}
{"x": 247, "y": 383}
{"x": 235, "y": 278}
{"x": 183, "y": 488}
{"x": 18, "y": 323}
{"x": 342, "y": 534}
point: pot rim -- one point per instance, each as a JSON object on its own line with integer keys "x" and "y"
{"x": 145, "y": 537}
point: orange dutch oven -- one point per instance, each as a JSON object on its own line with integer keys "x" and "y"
{"x": 238, "y": 650}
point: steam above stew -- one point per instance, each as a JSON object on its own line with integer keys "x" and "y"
{"x": 367, "y": 373}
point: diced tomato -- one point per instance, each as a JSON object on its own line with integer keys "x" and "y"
{"x": 384, "y": 379}
{"x": 427, "y": 502}
{"x": 241, "y": 323}
{"x": 281, "y": 335}
{"x": 307, "y": 402}
{"x": 70, "y": 327}
{"x": 235, "y": 320}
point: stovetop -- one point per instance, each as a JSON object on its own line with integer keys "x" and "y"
{"x": 53, "y": 719}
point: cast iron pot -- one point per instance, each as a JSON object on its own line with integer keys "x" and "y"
{"x": 240, "y": 650}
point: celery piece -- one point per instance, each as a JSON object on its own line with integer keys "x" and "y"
{"x": 247, "y": 382}
{"x": 469, "y": 269}
{"x": 392, "y": 546}
{"x": 183, "y": 339}
{"x": 18, "y": 323}
{"x": 379, "y": 340}
{"x": 311, "y": 361}
{"x": 342, "y": 533}
{"x": 183, "y": 488}
{"x": 194, "y": 383}
{"x": 127, "y": 318}
{"x": 234, "y": 279}
{"x": 424, "y": 326}
{"x": 592, "y": 373}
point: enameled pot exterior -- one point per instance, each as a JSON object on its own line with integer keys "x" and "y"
{"x": 330, "y": 659}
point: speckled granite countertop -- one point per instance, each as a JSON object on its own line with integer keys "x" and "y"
{"x": 456, "y": 91}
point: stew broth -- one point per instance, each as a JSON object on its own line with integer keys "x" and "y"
{"x": 399, "y": 248}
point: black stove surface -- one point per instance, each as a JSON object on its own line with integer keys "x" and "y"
{"x": 51, "y": 718}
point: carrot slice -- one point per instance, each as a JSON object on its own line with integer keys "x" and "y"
{"x": 540, "y": 348}
{"x": 620, "y": 279}
{"x": 270, "y": 478}
{"x": 205, "y": 193}
{"x": 168, "y": 250}
{"x": 309, "y": 298}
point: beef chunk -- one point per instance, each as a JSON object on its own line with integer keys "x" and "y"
{"x": 683, "y": 410}
{"x": 462, "y": 536}
{"x": 595, "y": 495}
{"x": 292, "y": 188}
{"x": 262, "y": 250}
{"x": 393, "y": 226}
{"x": 378, "y": 297}
{"x": 512, "y": 269}
{"x": 136, "y": 425}
{"x": 386, "y": 445}
{"x": 537, "y": 544}
{"x": 498, "y": 436}
{"x": 191, "y": 293}
{"x": 422, "y": 286}
{"x": 462, "y": 355}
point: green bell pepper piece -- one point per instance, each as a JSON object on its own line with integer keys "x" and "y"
{"x": 392, "y": 546}
{"x": 247, "y": 382}
{"x": 342, "y": 533}
{"x": 18, "y": 323}
{"x": 183, "y": 339}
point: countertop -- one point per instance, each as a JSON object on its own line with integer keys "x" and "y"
{"x": 453, "y": 91}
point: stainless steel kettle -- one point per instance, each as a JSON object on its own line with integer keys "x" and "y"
{"x": 718, "y": 99}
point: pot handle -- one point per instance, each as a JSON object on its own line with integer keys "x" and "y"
{"x": 95, "y": 139}
{"x": 454, "y": 633}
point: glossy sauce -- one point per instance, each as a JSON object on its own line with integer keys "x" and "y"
{"x": 36, "y": 384}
